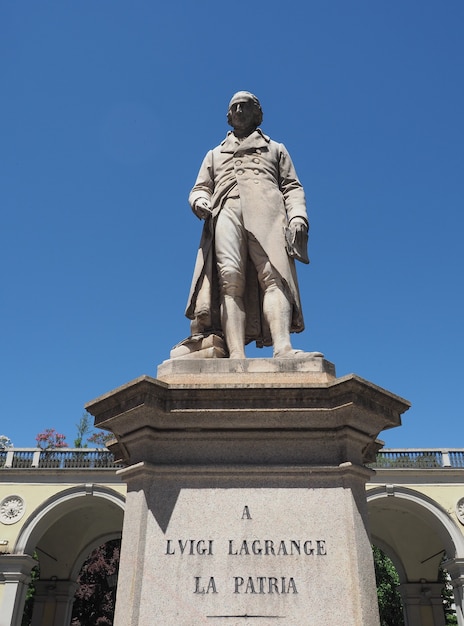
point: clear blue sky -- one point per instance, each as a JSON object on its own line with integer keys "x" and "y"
{"x": 107, "y": 109}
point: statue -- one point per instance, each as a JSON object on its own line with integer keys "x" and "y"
{"x": 245, "y": 286}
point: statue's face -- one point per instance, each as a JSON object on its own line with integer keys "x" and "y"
{"x": 242, "y": 116}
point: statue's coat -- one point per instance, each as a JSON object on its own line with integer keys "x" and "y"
{"x": 260, "y": 172}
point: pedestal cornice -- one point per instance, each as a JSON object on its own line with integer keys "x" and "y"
{"x": 287, "y": 415}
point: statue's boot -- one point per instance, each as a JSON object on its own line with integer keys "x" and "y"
{"x": 297, "y": 354}
{"x": 277, "y": 310}
{"x": 233, "y": 325}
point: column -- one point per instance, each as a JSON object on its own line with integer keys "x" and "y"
{"x": 53, "y": 602}
{"x": 423, "y": 604}
{"x": 15, "y": 572}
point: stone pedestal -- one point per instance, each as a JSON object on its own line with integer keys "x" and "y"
{"x": 246, "y": 497}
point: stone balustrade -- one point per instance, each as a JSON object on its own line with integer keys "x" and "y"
{"x": 100, "y": 458}
{"x": 57, "y": 458}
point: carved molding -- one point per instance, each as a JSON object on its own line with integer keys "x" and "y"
{"x": 12, "y": 509}
{"x": 460, "y": 510}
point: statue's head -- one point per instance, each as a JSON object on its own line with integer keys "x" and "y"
{"x": 245, "y": 100}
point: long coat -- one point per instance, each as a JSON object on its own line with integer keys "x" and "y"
{"x": 260, "y": 172}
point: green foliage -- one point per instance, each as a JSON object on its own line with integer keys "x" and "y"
{"x": 29, "y": 604}
{"x": 427, "y": 460}
{"x": 85, "y": 434}
{"x": 448, "y": 598}
{"x": 390, "y": 604}
{"x": 85, "y": 431}
{"x": 83, "y": 428}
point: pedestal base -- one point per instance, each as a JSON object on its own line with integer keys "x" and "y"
{"x": 246, "y": 493}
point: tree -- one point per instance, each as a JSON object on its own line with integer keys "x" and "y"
{"x": 29, "y": 603}
{"x": 448, "y": 597}
{"x": 95, "y": 598}
{"x": 5, "y": 442}
{"x": 390, "y": 604}
{"x": 49, "y": 438}
{"x": 100, "y": 439}
{"x": 83, "y": 428}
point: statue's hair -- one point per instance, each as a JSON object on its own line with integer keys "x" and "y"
{"x": 257, "y": 110}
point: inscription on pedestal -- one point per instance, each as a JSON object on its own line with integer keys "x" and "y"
{"x": 247, "y": 580}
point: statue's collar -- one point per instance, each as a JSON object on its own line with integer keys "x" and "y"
{"x": 257, "y": 139}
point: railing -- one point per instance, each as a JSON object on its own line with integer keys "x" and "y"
{"x": 57, "y": 458}
{"x": 97, "y": 458}
{"x": 413, "y": 458}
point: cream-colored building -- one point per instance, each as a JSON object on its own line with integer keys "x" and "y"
{"x": 59, "y": 505}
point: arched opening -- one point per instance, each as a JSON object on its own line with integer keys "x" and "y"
{"x": 417, "y": 535}
{"x": 62, "y": 532}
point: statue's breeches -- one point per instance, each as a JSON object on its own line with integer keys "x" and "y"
{"x": 233, "y": 246}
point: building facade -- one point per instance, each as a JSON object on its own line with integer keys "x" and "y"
{"x": 56, "y": 506}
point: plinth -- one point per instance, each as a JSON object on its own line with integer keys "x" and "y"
{"x": 246, "y": 497}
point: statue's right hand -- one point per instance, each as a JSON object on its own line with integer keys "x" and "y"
{"x": 202, "y": 208}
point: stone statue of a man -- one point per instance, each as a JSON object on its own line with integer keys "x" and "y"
{"x": 244, "y": 285}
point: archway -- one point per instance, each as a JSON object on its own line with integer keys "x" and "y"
{"x": 62, "y": 532}
{"x": 416, "y": 533}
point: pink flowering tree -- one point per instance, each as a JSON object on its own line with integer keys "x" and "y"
{"x": 50, "y": 438}
{"x": 100, "y": 439}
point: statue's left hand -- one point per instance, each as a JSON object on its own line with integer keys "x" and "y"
{"x": 298, "y": 225}
{"x": 297, "y": 239}
{"x": 202, "y": 208}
